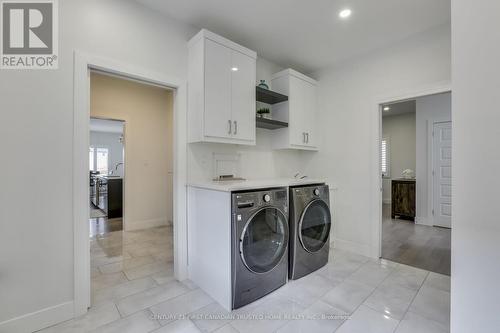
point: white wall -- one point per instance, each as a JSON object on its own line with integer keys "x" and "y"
{"x": 115, "y": 148}
{"x": 429, "y": 110}
{"x": 475, "y": 243}
{"x": 36, "y": 238}
{"x": 348, "y": 98}
{"x": 400, "y": 131}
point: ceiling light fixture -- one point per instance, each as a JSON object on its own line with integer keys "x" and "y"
{"x": 234, "y": 69}
{"x": 386, "y": 108}
{"x": 345, "y": 13}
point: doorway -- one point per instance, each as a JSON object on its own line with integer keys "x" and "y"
{"x": 131, "y": 177}
{"x": 415, "y": 164}
{"x": 83, "y": 64}
{"x": 106, "y": 174}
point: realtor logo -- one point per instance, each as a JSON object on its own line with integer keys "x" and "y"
{"x": 29, "y": 34}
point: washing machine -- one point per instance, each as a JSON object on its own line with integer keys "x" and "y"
{"x": 310, "y": 224}
{"x": 260, "y": 237}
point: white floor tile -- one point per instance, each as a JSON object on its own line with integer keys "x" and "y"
{"x": 182, "y": 305}
{"x": 338, "y": 271}
{"x": 413, "y": 323}
{"x": 137, "y": 323}
{"x": 268, "y": 317}
{"x": 438, "y": 281}
{"x": 97, "y": 316}
{"x": 391, "y": 300}
{"x": 134, "y": 270}
{"x": 122, "y": 290}
{"x": 164, "y": 276}
{"x": 318, "y": 318}
{"x": 306, "y": 290}
{"x": 433, "y": 304}
{"x": 126, "y": 264}
{"x": 366, "y": 320}
{"x": 226, "y": 329}
{"x": 348, "y": 295}
{"x": 150, "y": 297}
{"x": 107, "y": 280}
{"x": 145, "y": 270}
{"x": 210, "y": 317}
{"x": 371, "y": 273}
{"x": 179, "y": 326}
{"x": 407, "y": 277}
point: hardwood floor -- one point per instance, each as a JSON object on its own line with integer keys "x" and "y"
{"x": 416, "y": 245}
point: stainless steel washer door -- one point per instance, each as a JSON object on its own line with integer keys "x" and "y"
{"x": 314, "y": 226}
{"x": 264, "y": 240}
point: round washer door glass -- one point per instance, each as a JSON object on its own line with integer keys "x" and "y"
{"x": 315, "y": 226}
{"x": 264, "y": 240}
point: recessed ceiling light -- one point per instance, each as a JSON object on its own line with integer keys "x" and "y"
{"x": 234, "y": 69}
{"x": 386, "y": 108}
{"x": 345, "y": 13}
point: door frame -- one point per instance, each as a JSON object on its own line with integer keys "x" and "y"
{"x": 83, "y": 64}
{"x": 377, "y": 185}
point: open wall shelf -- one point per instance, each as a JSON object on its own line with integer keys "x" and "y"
{"x": 269, "y": 97}
{"x": 270, "y": 124}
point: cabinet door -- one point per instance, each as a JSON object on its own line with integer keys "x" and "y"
{"x": 217, "y": 83}
{"x": 296, "y": 112}
{"x": 243, "y": 96}
{"x": 310, "y": 114}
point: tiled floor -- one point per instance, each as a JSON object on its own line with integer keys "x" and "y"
{"x": 101, "y": 226}
{"x": 421, "y": 246}
{"x": 133, "y": 290}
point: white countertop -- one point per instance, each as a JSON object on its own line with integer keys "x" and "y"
{"x": 239, "y": 185}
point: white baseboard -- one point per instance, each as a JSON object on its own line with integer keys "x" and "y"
{"x": 144, "y": 224}
{"x": 39, "y": 319}
{"x": 350, "y": 246}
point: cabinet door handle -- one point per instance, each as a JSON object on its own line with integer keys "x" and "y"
{"x": 307, "y": 137}
{"x": 303, "y": 137}
{"x": 230, "y": 129}
{"x": 235, "y": 127}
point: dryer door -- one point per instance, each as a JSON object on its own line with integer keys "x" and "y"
{"x": 314, "y": 226}
{"x": 264, "y": 240}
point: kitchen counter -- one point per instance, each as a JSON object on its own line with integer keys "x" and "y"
{"x": 240, "y": 185}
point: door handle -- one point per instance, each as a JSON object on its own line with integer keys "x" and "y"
{"x": 307, "y": 137}
{"x": 230, "y": 129}
{"x": 235, "y": 127}
{"x": 303, "y": 137}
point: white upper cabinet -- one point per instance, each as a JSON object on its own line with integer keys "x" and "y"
{"x": 299, "y": 111}
{"x": 221, "y": 90}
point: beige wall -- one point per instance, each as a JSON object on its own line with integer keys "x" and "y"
{"x": 148, "y": 114}
{"x": 401, "y": 131}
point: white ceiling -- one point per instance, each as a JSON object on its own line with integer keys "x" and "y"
{"x": 107, "y": 126}
{"x": 307, "y": 34}
{"x": 400, "y": 108}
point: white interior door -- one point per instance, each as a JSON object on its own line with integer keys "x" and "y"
{"x": 442, "y": 174}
